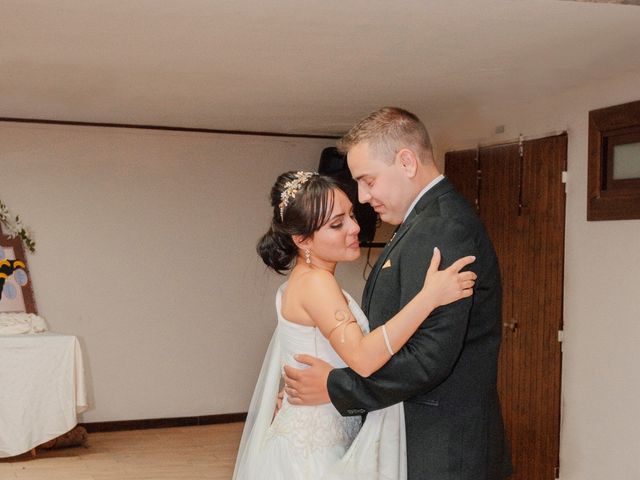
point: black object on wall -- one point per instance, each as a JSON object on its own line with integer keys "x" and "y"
{"x": 334, "y": 164}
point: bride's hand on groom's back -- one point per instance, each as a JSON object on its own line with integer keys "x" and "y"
{"x": 308, "y": 386}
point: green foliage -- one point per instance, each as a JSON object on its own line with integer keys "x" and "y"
{"x": 14, "y": 228}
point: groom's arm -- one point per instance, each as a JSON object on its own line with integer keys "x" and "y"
{"x": 430, "y": 355}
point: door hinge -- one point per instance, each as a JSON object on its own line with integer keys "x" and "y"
{"x": 556, "y": 472}
{"x": 565, "y": 176}
{"x": 560, "y": 335}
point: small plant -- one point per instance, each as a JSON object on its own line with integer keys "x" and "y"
{"x": 14, "y": 227}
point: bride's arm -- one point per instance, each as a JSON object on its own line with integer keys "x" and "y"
{"x": 326, "y": 305}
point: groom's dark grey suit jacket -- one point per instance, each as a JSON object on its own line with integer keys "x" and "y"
{"x": 446, "y": 373}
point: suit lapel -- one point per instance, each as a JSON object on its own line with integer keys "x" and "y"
{"x": 427, "y": 199}
{"x": 397, "y": 237}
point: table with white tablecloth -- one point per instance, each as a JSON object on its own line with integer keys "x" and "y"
{"x": 42, "y": 389}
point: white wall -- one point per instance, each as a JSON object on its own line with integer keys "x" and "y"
{"x": 601, "y": 361}
{"x": 146, "y": 251}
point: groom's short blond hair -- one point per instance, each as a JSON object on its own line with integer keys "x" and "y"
{"x": 387, "y": 131}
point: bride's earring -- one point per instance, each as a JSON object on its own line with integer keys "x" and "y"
{"x": 307, "y": 256}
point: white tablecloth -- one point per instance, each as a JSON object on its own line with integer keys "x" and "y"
{"x": 42, "y": 389}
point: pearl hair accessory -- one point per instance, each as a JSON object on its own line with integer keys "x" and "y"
{"x": 291, "y": 188}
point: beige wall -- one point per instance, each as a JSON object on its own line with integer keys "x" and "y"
{"x": 146, "y": 251}
{"x": 601, "y": 361}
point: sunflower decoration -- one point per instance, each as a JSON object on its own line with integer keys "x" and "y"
{"x": 7, "y": 269}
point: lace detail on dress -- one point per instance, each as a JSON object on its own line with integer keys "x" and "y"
{"x": 309, "y": 429}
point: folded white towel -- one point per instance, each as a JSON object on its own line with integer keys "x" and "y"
{"x": 19, "y": 323}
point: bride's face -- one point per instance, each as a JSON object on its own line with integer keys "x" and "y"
{"x": 337, "y": 240}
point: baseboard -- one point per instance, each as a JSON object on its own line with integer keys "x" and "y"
{"x": 163, "y": 422}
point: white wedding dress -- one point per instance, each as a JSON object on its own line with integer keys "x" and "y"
{"x": 315, "y": 443}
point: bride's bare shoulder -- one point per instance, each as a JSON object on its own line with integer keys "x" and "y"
{"x": 317, "y": 286}
{"x": 317, "y": 279}
{"x": 305, "y": 292}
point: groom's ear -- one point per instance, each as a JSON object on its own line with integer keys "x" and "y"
{"x": 408, "y": 161}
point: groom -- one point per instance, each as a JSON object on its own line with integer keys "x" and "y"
{"x": 446, "y": 373}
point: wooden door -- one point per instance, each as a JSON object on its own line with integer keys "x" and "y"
{"x": 520, "y": 198}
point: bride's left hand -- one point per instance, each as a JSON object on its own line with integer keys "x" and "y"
{"x": 308, "y": 386}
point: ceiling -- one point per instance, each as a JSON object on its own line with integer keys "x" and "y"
{"x": 306, "y": 67}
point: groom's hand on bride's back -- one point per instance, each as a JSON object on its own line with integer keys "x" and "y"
{"x": 307, "y": 386}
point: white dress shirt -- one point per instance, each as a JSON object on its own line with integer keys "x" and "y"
{"x": 431, "y": 184}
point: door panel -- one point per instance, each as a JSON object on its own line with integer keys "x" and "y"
{"x": 540, "y": 279}
{"x": 521, "y": 202}
{"x": 461, "y": 168}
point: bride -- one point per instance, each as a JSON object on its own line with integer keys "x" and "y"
{"x": 313, "y": 228}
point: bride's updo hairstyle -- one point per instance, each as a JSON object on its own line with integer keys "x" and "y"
{"x": 302, "y": 203}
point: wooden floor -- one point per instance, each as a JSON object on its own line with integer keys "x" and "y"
{"x": 185, "y": 453}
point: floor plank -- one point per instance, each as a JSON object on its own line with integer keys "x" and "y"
{"x": 181, "y": 453}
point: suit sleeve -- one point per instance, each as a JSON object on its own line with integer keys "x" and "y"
{"x": 429, "y": 356}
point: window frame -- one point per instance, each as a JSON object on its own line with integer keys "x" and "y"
{"x": 610, "y": 199}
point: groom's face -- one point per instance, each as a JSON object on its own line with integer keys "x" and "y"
{"x": 382, "y": 183}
